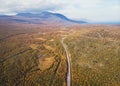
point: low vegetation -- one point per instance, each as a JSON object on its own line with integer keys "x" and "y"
{"x": 95, "y": 57}
{"x": 31, "y": 58}
{"x": 32, "y": 55}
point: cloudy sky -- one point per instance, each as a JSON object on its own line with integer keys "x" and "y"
{"x": 92, "y": 10}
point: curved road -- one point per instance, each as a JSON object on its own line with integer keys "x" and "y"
{"x": 68, "y": 64}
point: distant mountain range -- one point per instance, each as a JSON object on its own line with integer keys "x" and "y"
{"x": 41, "y": 18}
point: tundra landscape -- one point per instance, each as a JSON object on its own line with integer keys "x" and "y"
{"x": 59, "y": 43}
{"x": 34, "y": 55}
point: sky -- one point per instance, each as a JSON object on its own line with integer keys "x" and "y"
{"x": 90, "y": 10}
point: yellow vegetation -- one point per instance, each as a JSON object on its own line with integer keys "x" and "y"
{"x": 34, "y": 46}
{"x": 42, "y": 39}
{"x": 52, "y": 40}
{"x": 45, "y": 63}
{"x": 49, "y": 47}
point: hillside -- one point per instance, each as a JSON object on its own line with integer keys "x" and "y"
{"x": 41, "y": 18}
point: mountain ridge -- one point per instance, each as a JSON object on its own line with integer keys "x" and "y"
{"x": 41, "y": 18}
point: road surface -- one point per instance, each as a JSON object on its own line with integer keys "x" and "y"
{"x": 68, "y": 64}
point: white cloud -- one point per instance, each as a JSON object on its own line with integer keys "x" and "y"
{"x": 12, "y": 6}
{"x": 95, "y": 10}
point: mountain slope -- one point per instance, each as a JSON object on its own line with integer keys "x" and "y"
{"x": 42, "y": 18}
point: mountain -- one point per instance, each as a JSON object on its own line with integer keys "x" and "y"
{"x": 41, "y": 18}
